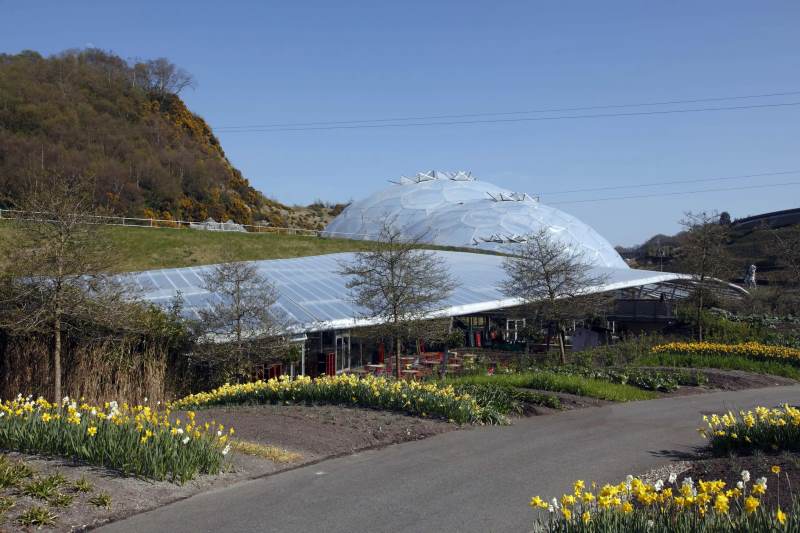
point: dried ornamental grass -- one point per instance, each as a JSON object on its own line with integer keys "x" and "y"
{"x": 135, "y": 440}
{"x": 666, "y": 506}
{"x": 417, "y": 398}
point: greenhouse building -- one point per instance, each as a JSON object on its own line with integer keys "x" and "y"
{"x": 449, "y": 209}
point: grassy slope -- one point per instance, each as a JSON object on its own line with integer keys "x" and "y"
{"x": 150, "y": 248}
{"x": 147, "y": 248}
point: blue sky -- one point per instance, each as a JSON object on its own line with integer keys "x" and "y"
{"x": 286, "y": 62}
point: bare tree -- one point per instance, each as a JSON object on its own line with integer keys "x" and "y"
{"x": 703, "y": 252}
{"x": 242, "y": 328}
{"x": 556, "y": 280}
{"x": 398, "y": 283}
{"x": 787, "y": 244}
{"x": 162, "y": 77}
{"x": 56, "y": 266}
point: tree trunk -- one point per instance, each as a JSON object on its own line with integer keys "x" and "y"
{"x": 561, "y": 350}
{"x": 57, "y": 358}
{"x": 700, "y": 316}
{"x": 397, "y": 358}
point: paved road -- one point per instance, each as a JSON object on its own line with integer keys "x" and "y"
{"x": 477, "y": 480}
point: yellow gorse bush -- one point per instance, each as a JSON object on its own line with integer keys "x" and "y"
{"x": 747, "y": 349}
{"x": 136, "y": 440}
{"x": 414, "y": 397}
{"x": 757, "y": 429}
{"x": 662, "y": 506}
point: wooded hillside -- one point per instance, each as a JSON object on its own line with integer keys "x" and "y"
{"x": 124, "y": 126}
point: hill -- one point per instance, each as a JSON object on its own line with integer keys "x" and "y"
{"x": 124, "y": 126}
{"x": 748, "y": 244}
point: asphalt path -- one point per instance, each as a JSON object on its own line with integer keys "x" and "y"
{"x": 471, "y": 480}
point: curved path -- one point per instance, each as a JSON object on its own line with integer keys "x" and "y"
{"x": 477, "y": 480}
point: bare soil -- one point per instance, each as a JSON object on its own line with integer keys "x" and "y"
{"x": 322, "y": 430}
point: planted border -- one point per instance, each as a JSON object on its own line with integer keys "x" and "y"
{"x": 411, "y": 397}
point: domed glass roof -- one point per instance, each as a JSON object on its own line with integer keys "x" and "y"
{"x": 455, "y": 209}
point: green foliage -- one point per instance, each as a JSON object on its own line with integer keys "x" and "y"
{"x": 506, "y": 400}
{"x": 61, "y": 500}
{"x": 42, "y": 488}
{"x": 37, "y": 516}
{"x": 643, "y": 378}
{"x": 91, "y": 113}
{"x": 725, "y": 362}
{"x": 12, "y": 473}
{"x": 550, "y": 381}
{"x": 83, "y": 485}
{"x": 102, "y": 499}
{"x": 6, "y": 503}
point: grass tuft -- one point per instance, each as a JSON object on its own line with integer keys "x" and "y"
{"x": 83, "y": 485}
{"x": 102, "y": 499}
{"x": 37, "y": 516}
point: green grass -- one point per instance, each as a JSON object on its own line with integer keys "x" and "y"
{"x": 151, "y": 248}
{"x": 578, "y": 385}
{"x": 725, "y": 362}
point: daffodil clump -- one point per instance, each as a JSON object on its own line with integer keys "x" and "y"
{"x": 753, "y": 350}
{"x": 136, "y": 440}
{"x": 412, "y": 397}
{"x": 763, "y": 429}
{"x": 666, "y": 506}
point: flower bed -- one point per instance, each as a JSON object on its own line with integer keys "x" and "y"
{"x": 752, "y": 350}
{"x": 135, "y": 440}
{"x": 416, "y": 398}
{"x": 666, "y": 506}
{"x": 763, "y": 429}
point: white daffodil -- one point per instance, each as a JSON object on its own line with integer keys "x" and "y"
{"x": 185, "y": 440}
{"x": 745, "y": 476}
{"x": 673, "y": 477}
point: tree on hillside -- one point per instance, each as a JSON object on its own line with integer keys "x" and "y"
{"x": 554, "y": 280}
{"x": 242, "y": 328}
{"x": 161, "y": 77}
{"x": 703, "y": 252}
{"x": 55, "y": 273}
{"x": 399, "y": 284}
{"x": 787, "y": 244}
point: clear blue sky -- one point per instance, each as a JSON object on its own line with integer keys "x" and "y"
{"x": 277, "y": 62}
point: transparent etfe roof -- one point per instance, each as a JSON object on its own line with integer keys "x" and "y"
{"x": 455, "y": 209}
{"x": 312, "y": 295}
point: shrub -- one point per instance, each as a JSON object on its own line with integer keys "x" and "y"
{"x": 763, "y": 429}
{"x": 412, "y": 397}
{"x": 134, "y": 440}
{"x": 665, "y": 507}
{"x": 504, "y": 399}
